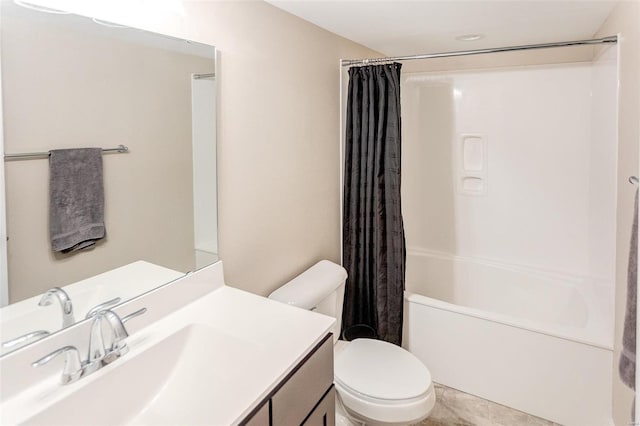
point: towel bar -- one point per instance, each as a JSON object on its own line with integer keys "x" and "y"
{"x": 633, "y": 180}
{"x": 24, "y": 156}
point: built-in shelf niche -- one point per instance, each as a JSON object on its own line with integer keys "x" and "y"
{"x": 472, "y": 164}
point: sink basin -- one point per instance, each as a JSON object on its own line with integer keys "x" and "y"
{"x": 175, "y": 381}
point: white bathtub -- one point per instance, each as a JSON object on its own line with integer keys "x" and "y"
{"x": 534, "y": 341}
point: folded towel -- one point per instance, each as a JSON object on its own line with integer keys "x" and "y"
{"x": 627, "y": 366}
{"x": 76, "y": 212}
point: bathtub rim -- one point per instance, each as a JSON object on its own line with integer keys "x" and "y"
{"x": 523, "y": 324}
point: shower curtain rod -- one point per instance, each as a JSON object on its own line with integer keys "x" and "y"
{"x": 350, "y": 62}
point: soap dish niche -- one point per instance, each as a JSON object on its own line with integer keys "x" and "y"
{"x": 472, "y": 164}
{"x": 473, "y": 184}
{"x": 473, "y": 153}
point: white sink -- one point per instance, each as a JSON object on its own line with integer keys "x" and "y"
{"x": 210, "y": 362}
{"x": 170, "y": 383}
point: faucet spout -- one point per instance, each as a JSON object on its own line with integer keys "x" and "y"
{"x": 97, "y": 346}
{"x": 106, "y": 344}
{"x": 56, "y": 293}
{"x": 116, "y": 346}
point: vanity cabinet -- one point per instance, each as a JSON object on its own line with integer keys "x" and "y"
{"x": 260, "y": 417}
{"x": 325, "y": 412}
{"x": 305, "y": 396}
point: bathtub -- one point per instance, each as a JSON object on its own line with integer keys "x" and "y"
{"x": 536, "y": 341}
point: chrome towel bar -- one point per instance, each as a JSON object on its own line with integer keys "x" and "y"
{"x": 29, "y": 155}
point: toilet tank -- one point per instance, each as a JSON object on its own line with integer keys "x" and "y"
{"x": 320, "y": 289}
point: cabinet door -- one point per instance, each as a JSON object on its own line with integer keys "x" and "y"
{"x": 297, "y": 397}
{"x": 259, "y": 418}
{"x": 325, "y": 412}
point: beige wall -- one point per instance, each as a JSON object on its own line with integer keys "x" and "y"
{"x": 625, "y": 19}
{"x": 59, "y": 92}
{"x": 278, "y": 135}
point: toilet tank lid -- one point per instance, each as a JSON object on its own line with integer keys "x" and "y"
{"x": 312, "y": 286}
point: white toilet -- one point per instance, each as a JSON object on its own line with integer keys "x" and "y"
{"x": 377, "y": 383}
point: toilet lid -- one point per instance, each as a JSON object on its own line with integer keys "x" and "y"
{"x": 381, "y": 370}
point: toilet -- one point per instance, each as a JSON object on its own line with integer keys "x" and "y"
{"x": 377, "y": 383}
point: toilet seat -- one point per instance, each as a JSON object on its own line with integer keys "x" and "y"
{"x": 379, "y": 382}
{"x": 381, "y": 371}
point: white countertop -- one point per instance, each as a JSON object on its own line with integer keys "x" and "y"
{"x": 257, "y": 343}
{"x": 277, "y": 337}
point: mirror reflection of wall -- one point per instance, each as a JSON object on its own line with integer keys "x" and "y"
{"x": 205, "y": 203}
{"x": 68, "y": 82}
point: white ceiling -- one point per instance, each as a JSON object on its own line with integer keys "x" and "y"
{"x": 400, "y": 27}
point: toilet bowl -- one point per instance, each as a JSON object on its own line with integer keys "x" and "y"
{"x": 377, "y": 383}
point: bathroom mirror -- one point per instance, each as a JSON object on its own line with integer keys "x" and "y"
{"x": 73, "y": 82}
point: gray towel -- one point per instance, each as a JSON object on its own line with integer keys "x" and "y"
{"x": 627, "y": 366}
{"x": 76, "y": 197}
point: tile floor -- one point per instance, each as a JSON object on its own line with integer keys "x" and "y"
{"x": 455, "y": 408}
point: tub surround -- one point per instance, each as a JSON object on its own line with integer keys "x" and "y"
{"x": 544, "y": 180}
{"x": 571, "y": 307}
{"x": 257, "y": 349}
{"x": 513, "y": 280}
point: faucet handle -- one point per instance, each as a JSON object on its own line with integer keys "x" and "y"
{"x": 19, "y": 341}
{"x": 133, "y": 315}
{"x": 72, "y": 367}
{"x": 102, "y": 306}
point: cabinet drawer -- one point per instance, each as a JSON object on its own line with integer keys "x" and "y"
{"x": 291, "y": 404}
{"x": 325, "y": 412}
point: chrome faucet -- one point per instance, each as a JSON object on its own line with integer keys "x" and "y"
{"x": 64, "y": 300}
{"x": 104, "y": 348}
{"x": 107, "y": 347}
{"x": 116, "y": 346}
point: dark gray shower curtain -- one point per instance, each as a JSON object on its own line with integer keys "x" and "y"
{"x": 373, "y": 233}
